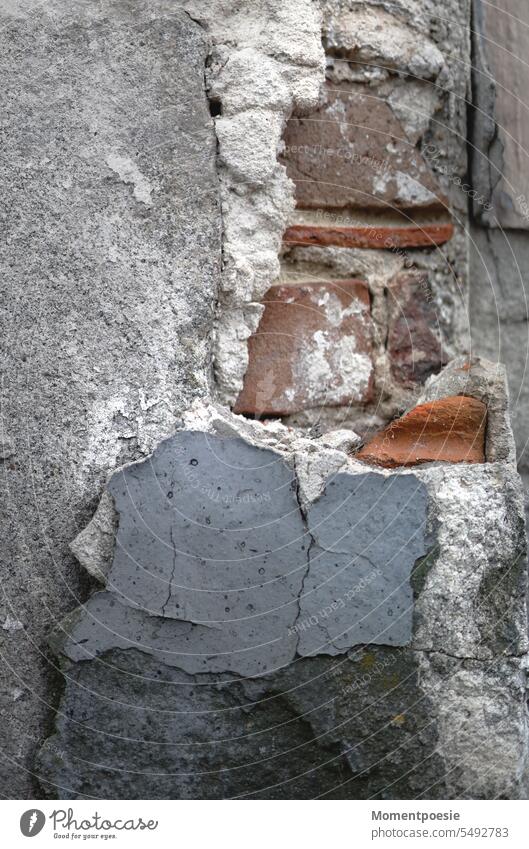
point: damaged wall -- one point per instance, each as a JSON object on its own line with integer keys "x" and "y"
{"x": 283, "y": 621}
{"x": 111, "y": 265}
{"x": 377, "y": 169}
{"x": 174, "y": 222}
{"x": 113, "y": 269}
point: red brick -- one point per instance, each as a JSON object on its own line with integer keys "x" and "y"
{"x": 451, "y": 429}
{"x": 353, "y": 152}
{"x": 312, "y": 347}
{"x": 427, "y": 235}
{"x": 414, "y": 342}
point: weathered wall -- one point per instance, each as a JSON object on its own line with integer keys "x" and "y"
{"x": 499, "y": 257}
{"x": 158, "y": 200}
{"x": 283, "y": 621}
{"x": 378, "y": 170}
{"x": 110, "y": 269}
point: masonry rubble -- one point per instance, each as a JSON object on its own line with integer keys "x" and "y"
{"x": 371, "y": 205}
{"x": 283, "y": 593}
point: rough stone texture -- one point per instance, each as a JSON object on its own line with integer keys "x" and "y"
{"x": 94, "y": 545}
{"x": 414, "y": 344}
{"x": 352, "y": 152}
{"x": 450, "y": 430}
{"x": 420, "y": 719}
{"x": 500, "y": 128}
{"x": 472, "y": 586}
{"x": 313, "y": 346}
{"x": 499, "y": 256}
{"x": 342, "y": 440}
{"x": 499, "y": 320}
{"x": 478, "y": 732}
{"x": 380, "y": 40}
{"x": 110, "y": 267}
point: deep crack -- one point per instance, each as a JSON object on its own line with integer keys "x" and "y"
{"x": 312, "y": 543}
{"x": 173, "y": 572}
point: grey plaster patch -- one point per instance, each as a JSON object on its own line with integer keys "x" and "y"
{"x": 368, "y": 531}
{"x": 209, "y": 531}
{"x": 250, "y": 647}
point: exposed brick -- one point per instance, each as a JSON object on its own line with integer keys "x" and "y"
{"x": 426, "y": 235}
{"x": 353, "y": 152}
{"x": 451, "y": 430}
{"x": 414, "y": 344}
{"x": 312, "y": 347}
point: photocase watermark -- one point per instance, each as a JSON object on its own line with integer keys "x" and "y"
{"x": 32, "y": 822}
{"x": 66, "y": 825}
{"x": 371, "y": 667}
{"x": 337, "y": 604}
{"x": 195, "y": 480}
{"x": 385, "y": 241}
{"x": 432, "y": 154}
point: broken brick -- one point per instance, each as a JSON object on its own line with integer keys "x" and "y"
{"x": 353, "y": 152}
{"x": 382, "y": 236}
{"x": 312, "y": 347}
{"x": 414, "y": 345}
{"x": 451, "y": 430}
